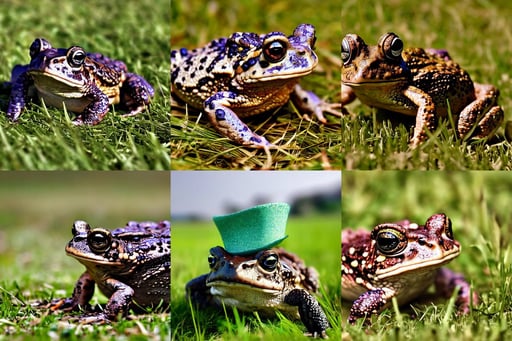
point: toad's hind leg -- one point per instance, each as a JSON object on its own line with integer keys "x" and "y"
{"x": 136, "y": 94}
{"x": 483, "y": 114}
{"x": 447, "y": 281}
{"x": 228, "y": 123}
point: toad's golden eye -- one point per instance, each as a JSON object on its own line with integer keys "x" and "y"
{"x": 389, "y": 241}
{"x": 275, "y": 51}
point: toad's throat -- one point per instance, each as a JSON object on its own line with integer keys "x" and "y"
{"x": 251, "y": 298}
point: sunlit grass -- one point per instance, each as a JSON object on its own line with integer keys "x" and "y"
{"x": 135, "y": 32}
{"x": 458, "y": 26}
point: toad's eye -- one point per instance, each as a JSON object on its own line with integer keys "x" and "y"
{"x": 39, "y": 45}
{"x": 76, "y": 56}
{"x": 212, "y": 260}
{"x": 392, "y": 46}
{"x": 448, "y": 228}
{"x": 269, "y": 262}
{"x": 396, "y": 47}
{"x": 390, "y": 241}
{"x": 99, "y": 240}
{"x": 348, "y": 50}
{"x": 275, "y": 51}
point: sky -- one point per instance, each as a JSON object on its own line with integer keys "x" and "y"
{"x": 208, "y": 193}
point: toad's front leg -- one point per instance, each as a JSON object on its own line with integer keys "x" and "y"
{"x": 82, "y": 294}
{"x": 483, "y": 114}
{"x": 347, "y": 94}
{"x": 426, "y": 116}
{"x": 311, "y": 314}
{"x": 120, "y": 300}
{"x": 94, "y": 111}
{"x": 371, "y": 302}
{"x": 217, "y": 107}
{"x": 117, "y": 305}
{"x": 19, "y": 96}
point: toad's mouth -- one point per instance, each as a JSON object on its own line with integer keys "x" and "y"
{"x": 280, "y": 75}
{"x": 223, "y": 285}
{"x": 223, "y": 288}
{"x": 296, "y": 68}
{"x": 48, "y": 78}
{"x": 373, "y": 82}
{"x": 417, "y": 265}
{"x": 91, "y": 258}
{"x": 251, "y": 298}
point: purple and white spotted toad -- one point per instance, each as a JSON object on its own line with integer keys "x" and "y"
{"x": 247, "y": 74}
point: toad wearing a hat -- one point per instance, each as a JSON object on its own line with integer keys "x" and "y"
{"x": 251, "y": 274}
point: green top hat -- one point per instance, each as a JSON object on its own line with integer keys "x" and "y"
{"x": 254, "y": 229}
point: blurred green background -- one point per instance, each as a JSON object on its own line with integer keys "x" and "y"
{"x": 37, "y": 210}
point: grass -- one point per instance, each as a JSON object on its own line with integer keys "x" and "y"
{"x": 190, "y": 260}
{"x": 478, "y": 204}
{"x": 303, "y": 144}
{"x": 36, "y": 215}
{"x": 477, "y": 35}
{"x": 135, "y": 32}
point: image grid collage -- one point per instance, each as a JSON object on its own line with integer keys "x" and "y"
{"x": 251, "y": 170}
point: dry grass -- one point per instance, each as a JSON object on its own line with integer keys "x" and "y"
{"x": 302, "y": 143}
